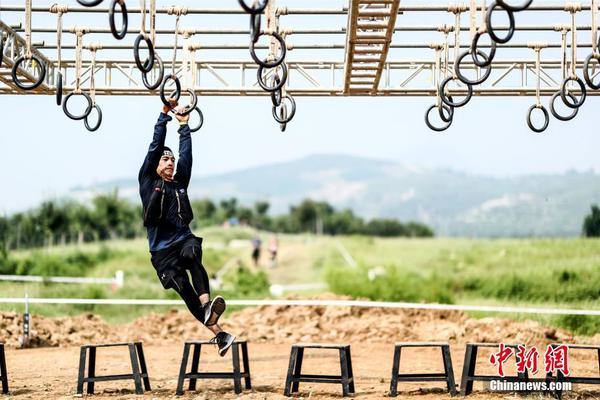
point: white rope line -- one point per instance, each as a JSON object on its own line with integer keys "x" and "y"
{"x": 538, "y": 99}
{"x": 78, "y": 61}
{"x": 563, "y": 46}
{"x": 304, "y": 303}
{"x": 28, "y": 52}
{"x": 473, "y": 19}
{"x": 153, "y": 21}
{"x": 143, "y": 22}
{"x": 594, "y": 10}
{"x": 92, "y": 75}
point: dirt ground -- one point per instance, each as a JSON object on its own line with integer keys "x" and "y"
{"x": 51, "y": 373}
{"x": 49, "y": 370}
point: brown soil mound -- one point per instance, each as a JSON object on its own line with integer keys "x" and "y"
{"x": 286, "y": 324}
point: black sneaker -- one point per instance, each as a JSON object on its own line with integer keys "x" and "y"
{"x": 213, "y": 310}
{"x": 224, "y": 340}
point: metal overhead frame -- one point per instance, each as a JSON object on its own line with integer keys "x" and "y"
{"x": 331, "y": 69}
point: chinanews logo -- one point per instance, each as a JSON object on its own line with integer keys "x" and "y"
{"x": 556, "y": 365}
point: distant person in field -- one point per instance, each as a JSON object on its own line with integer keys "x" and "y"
{"x": 256, "y": 244}
{"x": 167, "y": 214}
{"x": 273, "y": 249}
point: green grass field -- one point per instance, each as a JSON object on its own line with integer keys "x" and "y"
{"x": 539, "y": 272}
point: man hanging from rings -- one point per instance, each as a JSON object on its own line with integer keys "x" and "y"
{"x": 174, "y": 250}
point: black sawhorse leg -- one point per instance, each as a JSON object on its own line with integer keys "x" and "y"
{"x": 3, "y": 372}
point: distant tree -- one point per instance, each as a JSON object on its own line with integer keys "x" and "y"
{"x": 205, "y": 212}
{"x": 591, "y": 224}
{"x": 261, "y": 208}
{"x": 229, "y": 207}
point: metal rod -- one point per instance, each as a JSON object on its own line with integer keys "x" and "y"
{"x": 291, "y": 31}
{"x": 244, "y": 46}
{"x": 286, "y": 11}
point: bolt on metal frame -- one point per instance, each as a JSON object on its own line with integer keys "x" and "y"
{"x": 372, "y": 50}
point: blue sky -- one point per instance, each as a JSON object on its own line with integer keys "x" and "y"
{"x": 45, "y": 154}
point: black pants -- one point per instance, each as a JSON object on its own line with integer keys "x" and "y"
{"x": 172, "y": 265}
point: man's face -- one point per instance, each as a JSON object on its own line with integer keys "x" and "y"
{"x": 165, "y": 168}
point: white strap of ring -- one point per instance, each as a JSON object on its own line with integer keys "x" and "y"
{"x": 446, "y": 54}
{"x": 538, "y": 100}
{"x": 563, "y": 53}
{"x": 178, "y": 11}
{"x": 272, "y": 26}
{"x": 595, "y": 27}
{"x": 78, "y": 47}
{"x": 92, "y": 74}
{"x": 59, "y": 10}
{"x": 437, "y": 74}
{"x": 143, "y": 23}
{"x": 153, "y": 21}
{"x": 573, "y": 8}
{"x": 28, "y": 53}
{"x": 456, "y": 37}
{"x": 175, "y": 46}
{"x": 473, "y": 19}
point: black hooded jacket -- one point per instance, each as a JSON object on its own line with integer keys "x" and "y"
{"x": 167, "y": 210}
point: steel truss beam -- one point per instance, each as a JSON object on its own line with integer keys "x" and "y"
{"x": 116, "y": 73}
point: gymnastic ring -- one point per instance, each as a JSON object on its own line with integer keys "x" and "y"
{"x": 474, "y": 51}
{"x": 276, "y": 95}
{"x": 89, "y": 3}
{"x": 466, "y": 80}
{"x": 507, "y": 6}
{"x": 197, "y": 128}
{"x": 59, "y": 88}
{"x": 556, "y": 114}
{"x": 2, "y": 39}
{"x": 490, "y": 28}
{"x": 161, "y": 74}
{"x": 95, "y": 127}
{"x": 278, "y": 85}
{"x": 288, "y": 117}
{"x": 254, "y": 27}
{"x": 448, "y": 99}
{"x": 87, "y": 111}
{"x": 190, "y": 107}
{"x": 586, "y": 74}
{"x": 563, "y": 92}
{"x": 149, "y": 63}
{"x": 546, "y": 118}
{"x": 111, "y": 19}
{"x": 40, "y": 79}
{"x": 449, "y": 109}
{"x": 258, "y": 9}
{"x": 265, "y": 63}
{"x": 177, "y": 89}
{"x": 283, "y": 115}
{"x": 431, "y": 126}
{"x": 276, "y": 98}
